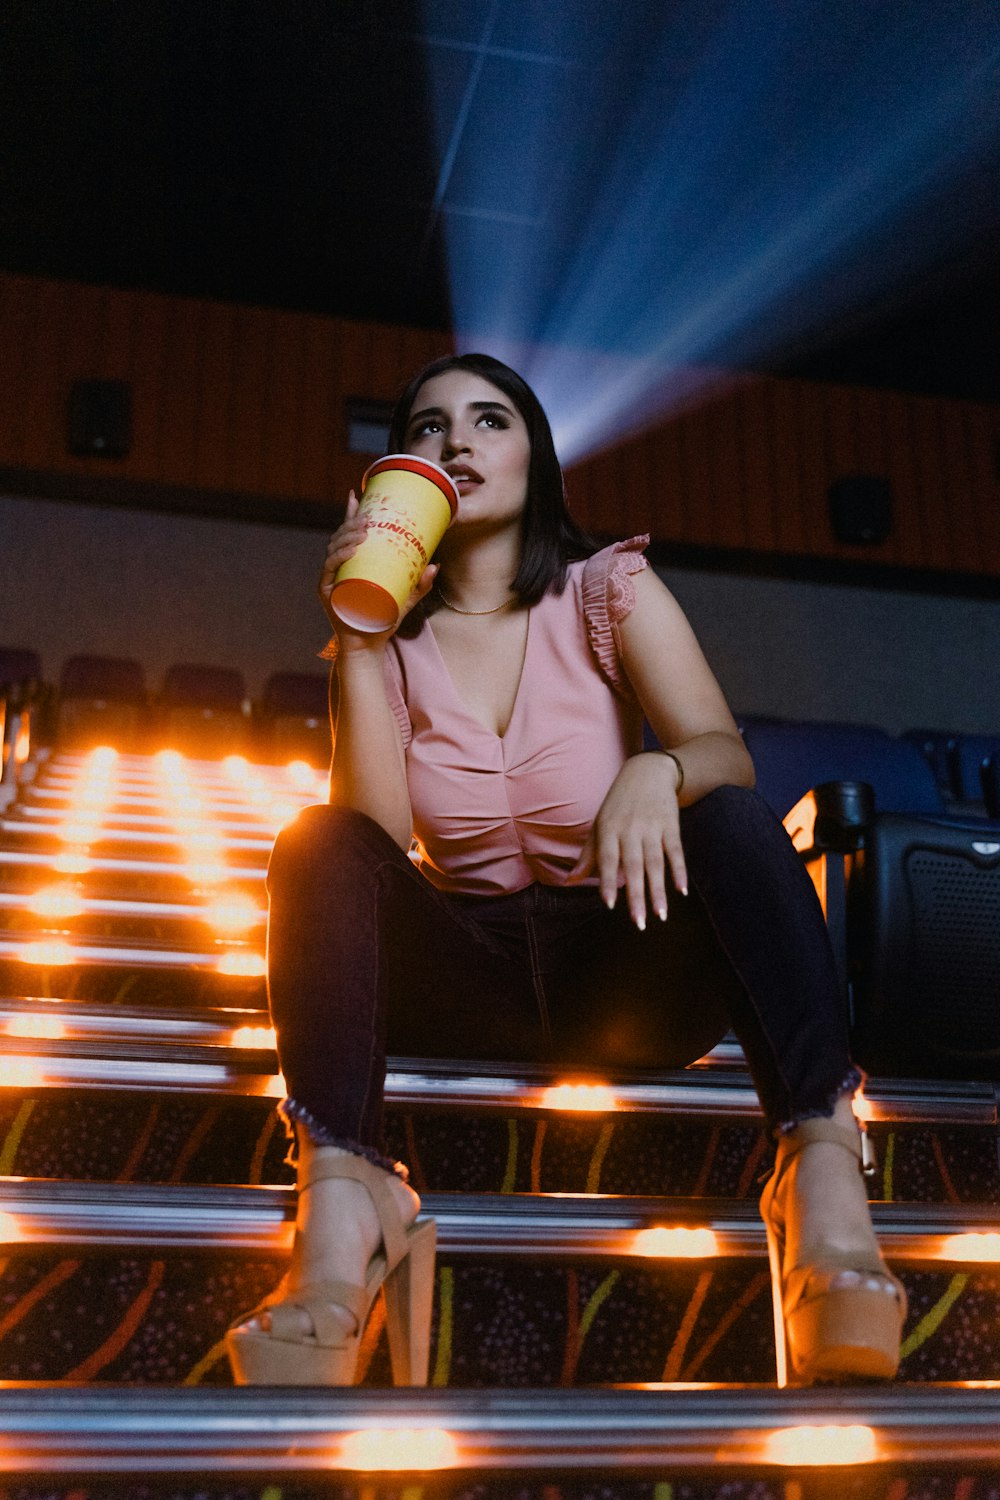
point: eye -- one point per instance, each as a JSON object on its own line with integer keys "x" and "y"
{"x": 421, "y": 429}
{"x": 494, "y": 419}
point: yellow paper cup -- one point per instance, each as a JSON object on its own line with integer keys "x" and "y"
{"x": 408, "y": 504}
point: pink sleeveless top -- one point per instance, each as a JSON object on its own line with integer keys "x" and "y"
{"x": 493, "y": 814}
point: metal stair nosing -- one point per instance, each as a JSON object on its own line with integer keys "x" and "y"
{"x": 136, "y": 836}
{"x": 171, "y": 1052}
{"x": 188, "y": 912}
{"x": 118, "y": 956}
{"x": 183, "y": 1216}
{"x": 663, "y": 1429}
{"x": 173, "y": 869}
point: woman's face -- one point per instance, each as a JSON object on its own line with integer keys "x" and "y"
{"x": 475, "y": 432}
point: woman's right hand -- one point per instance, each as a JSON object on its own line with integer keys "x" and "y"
{"x": 342, "y": 545}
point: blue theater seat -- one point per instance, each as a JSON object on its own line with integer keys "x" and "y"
{"x": 957, "y": 760}
{"x": 792, "y": 758}
{"x": 936, "y": 746}
{"x": 968, "y": 756}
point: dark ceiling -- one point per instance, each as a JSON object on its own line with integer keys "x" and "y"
{"x": 284, "y": 154}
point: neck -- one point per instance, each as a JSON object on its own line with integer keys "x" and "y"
{"x": 478, "y": 574}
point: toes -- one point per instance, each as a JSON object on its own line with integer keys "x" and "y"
{"x": 257, "y": 1325}
{"x": 871, "y": 1281}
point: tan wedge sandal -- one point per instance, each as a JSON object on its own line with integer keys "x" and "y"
{"x": 823, "y": 1330}
{"x": 403, "y": 1267}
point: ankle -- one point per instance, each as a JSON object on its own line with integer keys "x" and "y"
{"x": 824, "y": 1203}
{"x": 338, "y": 1230}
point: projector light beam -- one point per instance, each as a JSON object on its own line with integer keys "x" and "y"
{"x": 704, "y": 186}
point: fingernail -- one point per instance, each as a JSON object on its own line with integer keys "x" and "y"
{"x": 609, "y": 902}
{"x": 661, "y": 912}
{"x": 640, "y": 922}
{"x": 683, "y": 890}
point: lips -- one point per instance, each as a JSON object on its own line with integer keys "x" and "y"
{"x": 462, "y": 474}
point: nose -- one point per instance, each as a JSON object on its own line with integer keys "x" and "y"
{"x": 456, "y": 440}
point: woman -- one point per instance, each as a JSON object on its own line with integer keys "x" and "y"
{"x": 549, "y": 917}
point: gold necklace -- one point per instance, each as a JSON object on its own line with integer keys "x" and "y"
{"x": 455, "y": 609}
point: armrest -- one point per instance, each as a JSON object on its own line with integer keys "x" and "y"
{"x": 827, "y": 827}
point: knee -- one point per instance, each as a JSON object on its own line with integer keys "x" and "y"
{"x": 733, "y": 802}
{"x": 734, "y": 815}
{"x": 323, "y": 837}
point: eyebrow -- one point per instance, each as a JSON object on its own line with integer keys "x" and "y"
{"x": 438, "y": 411}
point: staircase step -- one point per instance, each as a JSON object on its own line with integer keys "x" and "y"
{"x": 46, "y": 813}
{"x": 140, "y": 955}
{"x": 717, "y": 1085}
{"x": 116, "y": 921}
{"x": 115, "y": 984}
{"x": 22, "y": 869}
{"x": 19, "y": 833}
{"x": 158, "y": 1074}
{"x": 115, "y": 1022}
{"x": 531, "y": 1290}
{"x": 197, "y": 1090}
{"x": 214, "y": 1136}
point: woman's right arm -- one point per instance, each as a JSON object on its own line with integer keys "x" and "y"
{"x": 369, "y": 766}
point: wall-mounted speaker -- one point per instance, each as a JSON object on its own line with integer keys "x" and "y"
{"x": 367, "y": 424}
{"x": 100, "y": 419}
{"x": 861, "y": 509}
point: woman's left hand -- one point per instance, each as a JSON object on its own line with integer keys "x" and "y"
{"x": 635, "y": 836}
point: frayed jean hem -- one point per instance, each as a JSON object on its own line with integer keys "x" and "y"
{"x": 297, "y": 1117}
{"x": 853, "y": 1080}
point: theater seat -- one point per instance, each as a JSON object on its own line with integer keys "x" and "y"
{"x": 19, "y": 667}
{"x": 293, "y": 718}
{"x": 791, "y": 758}
{"x": 957, "y": 761}
{"x": 969, "y": 755}
{"x": 937, "y": 747}
{"x": 203, "y": 711}
{"x": 102, "y": 701}
{"x": 911, "y": 893}
{"x": 926, "y": 946}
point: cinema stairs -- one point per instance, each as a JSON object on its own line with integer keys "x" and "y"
{"x": 602, "y": 1322}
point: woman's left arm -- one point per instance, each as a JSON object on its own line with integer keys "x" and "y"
{"x": 636, "y": 834}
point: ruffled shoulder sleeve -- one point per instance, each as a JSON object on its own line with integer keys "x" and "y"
{"x": 393, "y": 685}
{"x": 608, "y": 596}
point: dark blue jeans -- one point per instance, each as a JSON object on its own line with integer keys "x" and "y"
{"x": 366, "y": 957}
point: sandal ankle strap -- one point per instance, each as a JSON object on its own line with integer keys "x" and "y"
{"x": 345, "y": 1164}
{"x": 820, "y": 1129}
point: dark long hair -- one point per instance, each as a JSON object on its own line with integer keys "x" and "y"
{"x": 552, "y": 539}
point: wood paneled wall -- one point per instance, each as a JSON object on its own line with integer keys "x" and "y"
{"x": 248, "y": 401}
{"x": 238, "y": 400}
{"x": 751, "y": 468}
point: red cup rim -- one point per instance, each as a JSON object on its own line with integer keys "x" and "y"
{"x": 425, "y": 467}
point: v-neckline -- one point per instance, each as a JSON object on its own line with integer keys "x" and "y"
{"x": 467, "y": 711}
